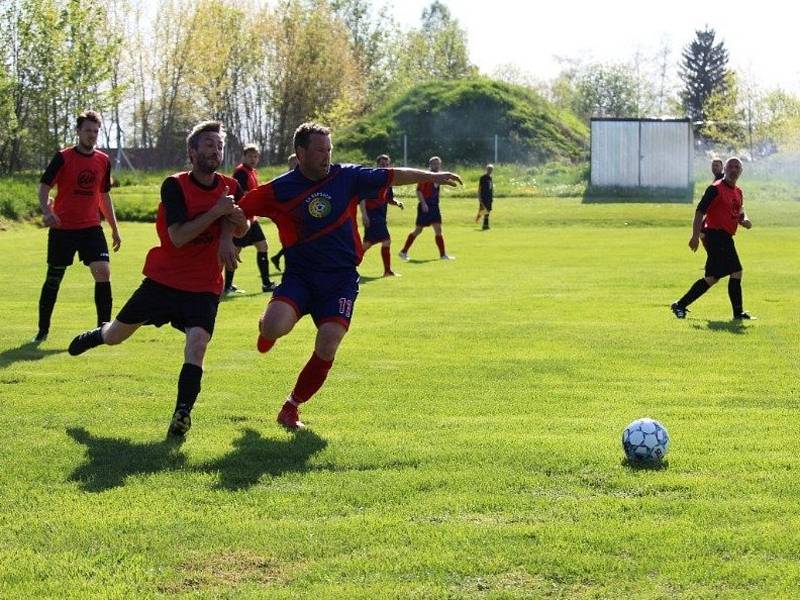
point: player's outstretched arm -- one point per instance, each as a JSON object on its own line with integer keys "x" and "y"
{"x": 403, "y": 176}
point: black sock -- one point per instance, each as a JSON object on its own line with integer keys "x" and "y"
{"x": 102, "y": 301}
{"x": 188, "y": 386}
{"x": 47, "y": 299}
{"x": 735, "y": 294}
{"x": 699, "y": 288}
{"x": 262, "y": 260}
{"x": 486, "y": 221}
{"x": 228, "y": 278}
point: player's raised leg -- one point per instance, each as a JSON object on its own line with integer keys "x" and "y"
{"x": 111, "y": 334}
{"x": 314, "y": 373}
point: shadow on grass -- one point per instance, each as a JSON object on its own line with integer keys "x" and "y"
{"x": 110, "y": 461}
{"x": 735, "y": 326}
{"x": 29, "y": 351}
{"x": 254, "y": 456}
{"x": 417, "y": 261}
{"x": 645, "y": 465}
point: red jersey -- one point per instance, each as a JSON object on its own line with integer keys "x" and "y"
{"x": 430, "y": 191}
{"x": 195, "y": 266}
{"x": 722, "y": 204}
{"x": 246, "y": 176}
{"x": 81, "y": 179}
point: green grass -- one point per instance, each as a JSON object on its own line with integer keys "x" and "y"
{"x": 465, "y": 445}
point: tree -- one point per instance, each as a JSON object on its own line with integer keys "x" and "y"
{"x": 606, "y": 91}
{"x": 724, "y": 120}
{"x": 703, "y": 70}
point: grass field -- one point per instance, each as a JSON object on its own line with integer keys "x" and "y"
{"x": 465, "y": 445}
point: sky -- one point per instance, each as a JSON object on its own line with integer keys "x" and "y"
{"x": 761, "y": 37}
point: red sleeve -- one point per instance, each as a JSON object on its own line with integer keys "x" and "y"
{"x": 260, "y": 202}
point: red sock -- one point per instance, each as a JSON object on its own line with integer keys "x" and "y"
{"x": 311, "y": 378}
{"x": 409, "y": 240}
{"x": 440, "y": 244}
{"x": 386, "y": 255}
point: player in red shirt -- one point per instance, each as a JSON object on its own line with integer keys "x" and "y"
{"x": 183, "y": 279}
{"x": 314, "y": 207}
{"x": 82, "y": 176}
{"x": 246, "y": 175}
{"x": 722, "y": 211}
{"x": 428, "y": 213}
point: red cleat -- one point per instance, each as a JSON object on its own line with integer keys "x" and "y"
{"x": 263, "y": 344}
{"x": 289, "y": 417}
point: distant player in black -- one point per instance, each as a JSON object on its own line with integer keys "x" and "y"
{"x": 722, "y": 210}
{"x": 82, "y": 176}
{"x": 276, "y": 259}
{"x": 485, "y": 196}
{"x": 247, "y": 177}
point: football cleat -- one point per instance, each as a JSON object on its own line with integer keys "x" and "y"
{"x": 39, "y": 337}
{"x": 391, "y": 274}
{"x": 85, "y": 341}
{"x": 678, "y": 311}
{"x": 276, "y": 260}
{"x": 744, "y": 315}
{"x": 180, "y": 424}
{"x": 269, "y": 287}
{"x": 289, "y": 417}
{"x": 447, "y": 257}
{"x": 403, "y": 255}
{"x": 229, "y": 291}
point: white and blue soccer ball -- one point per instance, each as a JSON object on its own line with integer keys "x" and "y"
{"x": 645, "y": 440}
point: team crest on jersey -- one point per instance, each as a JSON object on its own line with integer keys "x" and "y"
{"x": 86, "y": 178}
{"x": 319, "y": 205}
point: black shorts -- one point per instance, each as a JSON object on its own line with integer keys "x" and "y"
{"x": 253, "y": 235}
{"x": 89, "y": 243}
{"x": 722, "y": 257}
{"x": 155, "y": 304}
{"x": 487, "y": 204}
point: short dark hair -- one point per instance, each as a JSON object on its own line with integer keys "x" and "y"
{"x": 88, "y": 115}
{"x": 302, "y": 135}
{"x": 381, "y": 157}
{"x": 193, "y": 139}
{"x": 250, "y": 148}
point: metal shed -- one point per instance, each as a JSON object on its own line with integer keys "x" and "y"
{"x": 641, "y": 156}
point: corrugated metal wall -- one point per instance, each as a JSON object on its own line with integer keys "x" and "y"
{"x": 633, "y": 153}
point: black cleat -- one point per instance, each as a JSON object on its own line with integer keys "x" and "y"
{"x": 744, "y": 316}
{"x": 269, "y": 287}
{"x": 180, "y": 424}
{"x": 678, "y": 311}
{"x": 85, "y": 341}
{"x": 276, "y": 260}
{"x": 39, "y": 337}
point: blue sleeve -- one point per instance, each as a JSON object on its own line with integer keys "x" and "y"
{"x": 369, "y": 182}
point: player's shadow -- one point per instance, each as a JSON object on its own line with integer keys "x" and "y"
{"x": 734, "y": 326}
{"x": 110, "y": 461}
{"x": 418, "y": 261}
{"x": 254, "y": 456}
{"x": 29, "y": 351}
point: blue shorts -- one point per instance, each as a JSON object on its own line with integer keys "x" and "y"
{"x": 324, "y": 296}
{"x": 376, "y": 232}
{"x": 428, "y": 218}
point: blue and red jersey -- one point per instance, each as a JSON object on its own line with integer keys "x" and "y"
{"x": 316, "y": 220}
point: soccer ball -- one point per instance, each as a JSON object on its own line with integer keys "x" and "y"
{"x": 645, "y": 440}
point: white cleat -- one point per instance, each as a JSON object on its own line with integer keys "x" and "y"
{"x": 403, "y": 256}
{"x": 447, "y": 257}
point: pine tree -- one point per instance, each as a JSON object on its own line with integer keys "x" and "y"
{"x": 703, "y": 69}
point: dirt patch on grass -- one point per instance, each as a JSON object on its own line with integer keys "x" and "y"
{"x": 227, "y": 569}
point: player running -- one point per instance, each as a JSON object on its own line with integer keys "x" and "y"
{"x": 428, "y": 213}
{"x": 373, "y": 214}
{"x": 183, "y": 279}
{"x": 314, "y": 207}
{"x": 82, "y": 176}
